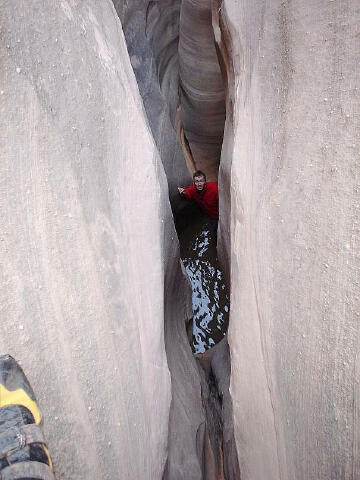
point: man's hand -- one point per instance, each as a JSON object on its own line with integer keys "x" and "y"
{"x": 181, "y": 190}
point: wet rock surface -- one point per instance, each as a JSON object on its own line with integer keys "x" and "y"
{"x": 216, "y": 449}
{"x": 210, "y": 299}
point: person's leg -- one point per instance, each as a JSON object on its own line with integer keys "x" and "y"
{"x": 23, "y": 453}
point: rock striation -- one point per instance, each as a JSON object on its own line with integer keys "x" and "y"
{"x": 290, "y": 197}
{"x": 151, "y": 31}
{"x": 94, "y": 300}
{"x": 202, "y": 94}
{"x": 86, "y": 231}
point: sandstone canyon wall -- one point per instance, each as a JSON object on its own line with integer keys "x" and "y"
{"x": 151, "y": 31}
{"x": 202, "y": 96}
{"x": 290, "y": 230}
{"x": 152, "y": 34}
{"x": 87, "y": 239}
{"x": 92, "y": 289}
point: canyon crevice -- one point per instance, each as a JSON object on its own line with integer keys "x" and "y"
{"x": 103, "y": 105}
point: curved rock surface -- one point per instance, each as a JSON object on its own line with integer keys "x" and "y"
{"x": 91, "y": 272}
{"x": 291, "y": 160}
{"x": 90, "y": 263}
{"x": 202, "y": 96}
{"x": 151, "y": 29}
{"x": 85, "y": 232}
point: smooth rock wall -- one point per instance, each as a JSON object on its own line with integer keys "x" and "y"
{"x": 187, "y": 435}
{"x": 202, "y": 94}
{"x": 84, "y": 241}
{"x": 151, "y": 31}
{"x": 291, "y": 160}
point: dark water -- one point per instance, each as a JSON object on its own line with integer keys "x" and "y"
{"x": 209, "y": 293}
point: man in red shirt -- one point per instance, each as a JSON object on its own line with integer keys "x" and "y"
{"x": 204, "y": 193}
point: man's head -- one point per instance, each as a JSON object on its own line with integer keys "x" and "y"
{"x": 199, "y": 180}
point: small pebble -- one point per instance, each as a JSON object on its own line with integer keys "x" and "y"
{"x": 18, "y": 70}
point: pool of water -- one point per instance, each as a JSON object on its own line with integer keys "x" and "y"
{"x": 210, "y": 299}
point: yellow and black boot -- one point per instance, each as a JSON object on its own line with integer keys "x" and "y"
{"x": 23, "y": 453}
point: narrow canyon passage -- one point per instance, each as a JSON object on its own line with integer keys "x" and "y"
{"x": 197, "y": 235}
{"x": 206, "y": 332}
{"x": 173, "y": 52}
{"x": 210, "y": 297}
{"x": 107, "y": 107}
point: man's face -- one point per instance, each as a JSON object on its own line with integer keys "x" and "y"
{"x": 199, "y": 183}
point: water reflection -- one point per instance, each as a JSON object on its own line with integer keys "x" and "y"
{"x": 209, "y": 293}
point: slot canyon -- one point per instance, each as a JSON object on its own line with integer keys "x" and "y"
{"x": 107, "y": 106}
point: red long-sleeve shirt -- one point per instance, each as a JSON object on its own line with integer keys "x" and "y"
{"x": 207, "y": 199}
